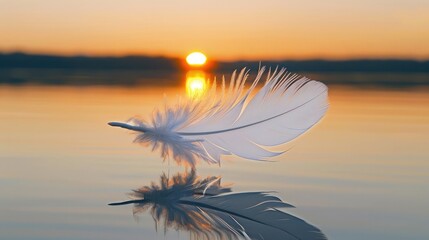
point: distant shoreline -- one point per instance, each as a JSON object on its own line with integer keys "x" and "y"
{"x": 19, "y": 69}
{"x": 23, "y": 60}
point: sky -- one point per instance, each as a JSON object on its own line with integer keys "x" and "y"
{"x": 223, "y": 29}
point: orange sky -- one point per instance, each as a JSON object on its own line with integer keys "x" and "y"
{"x": 223, "y": 29}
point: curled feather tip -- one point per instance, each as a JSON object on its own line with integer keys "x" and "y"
{"x": 237, "y": 120}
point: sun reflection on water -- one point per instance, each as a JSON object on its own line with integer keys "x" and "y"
{"x": 196, "y": 83}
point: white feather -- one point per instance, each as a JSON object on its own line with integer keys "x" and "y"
{"x": 245, "y": 123}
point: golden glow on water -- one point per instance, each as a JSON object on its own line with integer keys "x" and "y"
{"x": 196, "y": 83}
{"x": 369, "y": 149}
{"x": 196, "y": 59}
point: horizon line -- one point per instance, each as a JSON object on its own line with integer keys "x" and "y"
{"x": 274, "y": 59}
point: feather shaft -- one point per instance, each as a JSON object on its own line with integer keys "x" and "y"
{"x": 247, "y": 125}
{"x": 129, "y": 127}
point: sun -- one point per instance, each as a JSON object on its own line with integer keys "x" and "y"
{"x": 196, "y": 59}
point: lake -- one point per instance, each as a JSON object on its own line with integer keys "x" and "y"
{"x": 361, "y": 173}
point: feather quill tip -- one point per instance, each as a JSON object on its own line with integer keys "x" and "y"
{"x": 113, "y": 124}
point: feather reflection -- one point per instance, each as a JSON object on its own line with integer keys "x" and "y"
{"x": 208, "y": 210}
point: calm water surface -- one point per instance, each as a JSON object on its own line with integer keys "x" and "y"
{"x": 362, "y": 173}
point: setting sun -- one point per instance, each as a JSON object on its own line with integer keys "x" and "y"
{"x": 196, "y": 59}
